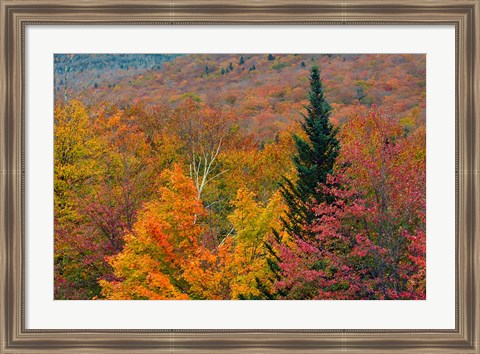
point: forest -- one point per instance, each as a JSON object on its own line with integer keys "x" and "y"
{"x": 240, "y": 176}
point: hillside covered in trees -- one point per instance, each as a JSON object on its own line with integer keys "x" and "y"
{"x": 246, "y": 176}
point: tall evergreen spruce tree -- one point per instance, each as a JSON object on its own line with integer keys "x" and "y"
{"x": 313, "y": 160}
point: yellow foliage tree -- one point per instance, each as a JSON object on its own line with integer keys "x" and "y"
{"x": 75, "y": 148}
{"x": 253, "y": 224}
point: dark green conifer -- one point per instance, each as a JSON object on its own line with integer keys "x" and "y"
{"x": 313, "y": 160}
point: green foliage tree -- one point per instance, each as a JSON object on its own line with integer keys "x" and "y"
{"x": 359, "y": 94}
{"x": 242, "y": 61}
{"x": 314, "y": 160}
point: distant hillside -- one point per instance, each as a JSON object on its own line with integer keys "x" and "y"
{"x": 81, "y": 71}
{"x": 265, "y": 91}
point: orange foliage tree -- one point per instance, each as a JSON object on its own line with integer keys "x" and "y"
{"x": 163, "y": 257}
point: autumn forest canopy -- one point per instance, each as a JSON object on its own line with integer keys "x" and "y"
{"x": 240, "y": 176}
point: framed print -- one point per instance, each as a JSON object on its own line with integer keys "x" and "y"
{"x": 215, "y": 177}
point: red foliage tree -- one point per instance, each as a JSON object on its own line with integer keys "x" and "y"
{"x": 370, "y": 242}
